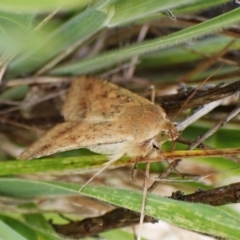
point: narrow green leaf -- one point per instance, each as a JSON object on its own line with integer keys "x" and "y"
{"x": 14, "y": 93}
{"x": 8, "y": 233}
{"x": 200, "y": 5}
{"x": 38, "y": 221}
{"x": 126, "y": 11}
{"x": 78, "y": 29}
{"x": 28, "y": 230}
{"x": 176, "y": 55}
{"x": 112, "y": 57}
{"x": 197, "y": 217}
{"x": 53, "y": 165}
{"x": 14, "y": 31}
{"x": 40, "y": 6}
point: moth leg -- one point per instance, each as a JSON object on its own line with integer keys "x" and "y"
{"x": 65, "y": 218}
{"x": 146, "y": 176}
{"x": 174, "y": 164}
{"x": 158, "y": 153}
{"x": 164, "y": 174}
{"x": 134, "y": 168}
{"x": 112, "y": 159}
{"x": 152, "y": 187}
{"x": 144, "y": 198}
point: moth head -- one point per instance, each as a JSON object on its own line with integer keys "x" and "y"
{"x": 168, "y": 132}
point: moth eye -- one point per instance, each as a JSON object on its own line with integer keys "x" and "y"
{"x": 163, "y": 134}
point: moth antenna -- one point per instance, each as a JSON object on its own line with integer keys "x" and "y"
{"x": 202, "y": 67}
{"x": 106, "y": 165}
{"x": 193, "y": 93}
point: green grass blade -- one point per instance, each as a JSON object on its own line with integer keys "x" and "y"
{"x": 8, "y": 233}
{"x": 110, "y": 58}
{"x": 28, "y": 230}
{"x": 12, "y": 25}
{"x": 78, "y": 29}
{"x": 199, "y": 5}
{"x": 177, "y": 55}
{"x": 126, "y": 11}
{"x": 82, "y": 163}
{"x": 40, "y": 6}
{"x": 197, "y": 217}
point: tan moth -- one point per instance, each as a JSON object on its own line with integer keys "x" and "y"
{"x": 106, "y": 119}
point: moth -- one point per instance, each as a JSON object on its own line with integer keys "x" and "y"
{"x": 106, "y": 119}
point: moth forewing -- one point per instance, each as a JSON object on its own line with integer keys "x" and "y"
{"x": 50, "y": 143}
{"x": 73, "y": 135}
{"x": 98, "y": 100}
